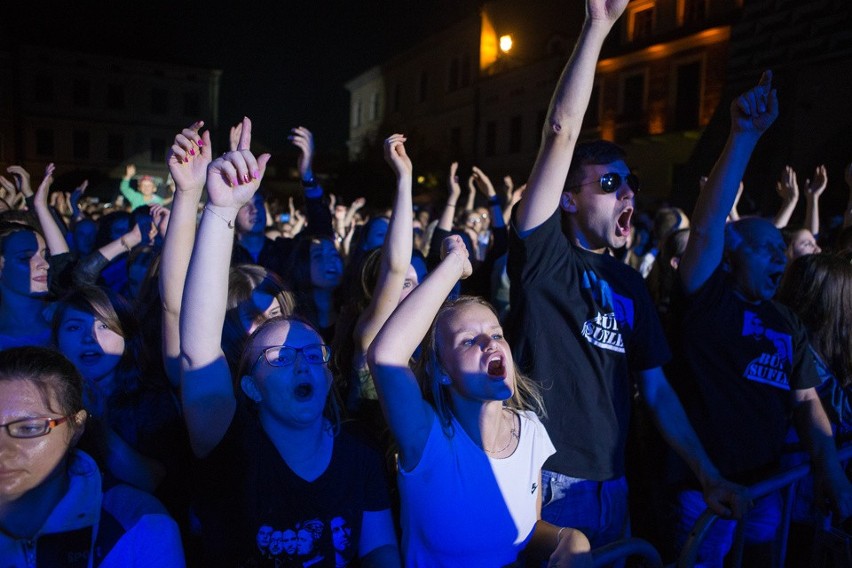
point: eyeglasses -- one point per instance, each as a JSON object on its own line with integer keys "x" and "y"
{"x": 283, "y": 355}
{"x": 33, "y": 427}
{"x": 611, "y": 181}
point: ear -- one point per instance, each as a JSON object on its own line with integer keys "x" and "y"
{"x": 567, "y": 202}
{"x": 79, "y": 420}
{"x": 442, "y": 377}
{"x": 674, "y": 262}
{"x": 250, "y": 388}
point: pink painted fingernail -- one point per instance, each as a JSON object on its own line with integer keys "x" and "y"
{"x": 192, "y": 151}
{"x": 200, "y": 142}
{"x": 186, "y": 159}
{"x": 246, "y": 178}
{"x": 255, "y": 174}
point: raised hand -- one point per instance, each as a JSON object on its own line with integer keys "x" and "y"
{"x": 755, "y": 110}
{"x": 454, "y": 245}
{"x": 453, "y": 184}
{"x": 303, "y": 139}
{"x": 129, "y": 171}
{"x": 482, "y": 183}
{"x": 788, "y": 187}
{"x": 605, "y": 11}
{"x": 44, "y": 186}
{"x": 22, "y": 180}
{"x": 233, "y": 178}
{"x": 397, "y": 158}
{"x": 8, "y": 187}
{"x": 160, "y": 216}
{"x": 77, "y": 195}
{"x": 358, "y": 203}
{"x": 813, "y": 189}
{"x": 189, "y": 157}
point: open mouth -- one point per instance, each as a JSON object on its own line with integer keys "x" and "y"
{"x": 496, "y": 367}
{"x": 622, "y": 224}
{"x": 90, "y": 357}
{"x": 303, "y": 391}
{"x": 775, "y": 278}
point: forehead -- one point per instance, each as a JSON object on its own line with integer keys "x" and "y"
{"x": 467, "y": 316}
{"x": 21, "y": 241}
{"x": 596, "y": 170}
{"x": 74, "y": 313}
{"x": 760, "y": 231}
{"x": 292, "y": 333}
{"x": 20, "y": 398}
{"x": 322, "y": 245}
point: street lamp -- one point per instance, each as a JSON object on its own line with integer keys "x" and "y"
{"x": 506, "y": 43}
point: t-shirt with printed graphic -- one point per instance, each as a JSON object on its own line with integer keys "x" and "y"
{"x": 735, "y": 365}
{"x": 255, "y": 511}
{"x": 580, "y": 323}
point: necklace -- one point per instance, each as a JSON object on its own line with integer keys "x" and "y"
{"x": 513, "y": 435}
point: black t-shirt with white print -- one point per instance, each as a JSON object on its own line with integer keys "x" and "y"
{"x": 580, "y": 324}
{"x": 255, "y": 511}
{"x": 736, "y": 364}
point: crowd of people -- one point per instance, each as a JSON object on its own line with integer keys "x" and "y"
{"x": 220, "y": 378}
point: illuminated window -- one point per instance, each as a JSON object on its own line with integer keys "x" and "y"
{"x": 375, "y": 103}
{"x": 640, "y": 20}
{"x": 356, "y": 114}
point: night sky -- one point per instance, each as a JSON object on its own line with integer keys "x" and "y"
{"x": 285, "y": 63}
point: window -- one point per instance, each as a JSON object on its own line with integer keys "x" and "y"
{"x": 158, "y": 150}
{"x": 356, "y": 114}
{"x": 81, "y": 93}
{"x": 396, "y": 97}
{"x": 115, "y": 147}
{"x": 424, "y": 87}
{"x": 691, "y": 11}
{"x": 375, "y": 103}
{"x": 515, "y": 134}
{"x": 453, "y": 81}
{"x": 44, "y": 142}
{"x": 465, "y": 70}
{"x": 490, "y": 138}
{"x": 688, "y": 101}
{"x": 633, "y": 97}
{"x": 43, "y": 89}
{"x": 80, "y": 145}
{"x": 159, "y": 101}
{"x": 455, "y": 141}
{"x": 191, "y": 105}
{"x": 115, "y": 97}
{"x": 640, "y": 20}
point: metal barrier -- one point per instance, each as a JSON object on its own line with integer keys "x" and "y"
{"x": 785, "y": 482}
{"x": 615, "y": 551}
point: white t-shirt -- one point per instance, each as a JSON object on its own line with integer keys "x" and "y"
{"x": 462, "y": 508}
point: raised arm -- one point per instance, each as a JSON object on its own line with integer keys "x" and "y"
{"x": 813, "y": 190}
{"x": 408, "y": 415}
{"x": 319, "y": 221}
{"x": 396, "y": 250}
{"x": 53, "y": 236}
{"x": 208, "y": 394}
{"x": 188, "y": 159}
{"x": 751, "y": 114}
{"x": 128, "y": 192}
{"x": 484, "y": 186}
{"x": 22, "y": 180}
{"x": 445, "y": 222}
{"x": 471, "y": 193}
{"x": 788, "y": 190}
{"x": 565, "y": 116}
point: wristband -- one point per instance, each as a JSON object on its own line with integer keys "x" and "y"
{"x": 124, "y": 243}
{"x": 451, "y": 204}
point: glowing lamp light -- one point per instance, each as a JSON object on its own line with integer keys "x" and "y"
{"x": 506, "y": 43}
{"x": 421, "y": 179}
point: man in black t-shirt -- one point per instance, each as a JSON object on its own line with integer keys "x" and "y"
{"x": 581, "y": 323}
{"x": 743, "y": 361}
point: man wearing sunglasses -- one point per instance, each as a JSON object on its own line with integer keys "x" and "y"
{"x": 583, "y": 324}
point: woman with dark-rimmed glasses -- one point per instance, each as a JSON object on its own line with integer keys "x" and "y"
{"x": 273, "y": 453}
{"x": 53, "y": 508}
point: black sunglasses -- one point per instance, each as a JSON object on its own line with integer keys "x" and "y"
{"x": 611, "y": 181}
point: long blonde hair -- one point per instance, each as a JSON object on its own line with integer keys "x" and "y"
{"x": 526, "y": 395}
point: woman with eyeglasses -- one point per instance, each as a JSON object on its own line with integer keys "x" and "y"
{"x": 54, "y": 510}
{"x": 273, "y": 453}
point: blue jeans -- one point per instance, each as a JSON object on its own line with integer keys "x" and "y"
{"x": 597, "y": 508}
{"x": 761, "y": 528}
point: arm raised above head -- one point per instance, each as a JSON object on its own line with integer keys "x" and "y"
{"x": 208, "y": 396}
{"x": 565, "y": 116}
{"x": 752, "y": 113}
